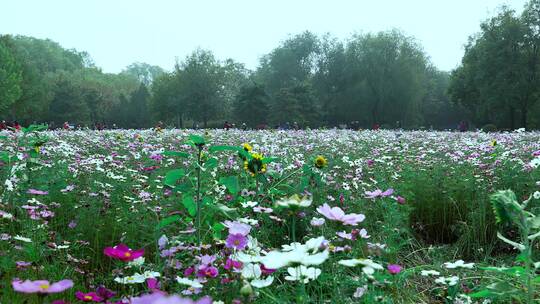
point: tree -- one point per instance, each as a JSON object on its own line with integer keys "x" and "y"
{"x": 200, "y": 84}
{"x": 143, "y": 72}
{"x": 251, "y": 105}
{"x": 138, "y": 108}
{"x": 10, "y": 76}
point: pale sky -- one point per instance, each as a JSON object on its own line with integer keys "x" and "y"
{"x": 119, "y": 32}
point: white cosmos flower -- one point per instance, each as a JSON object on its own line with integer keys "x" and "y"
{"x": 251, "y": 271}
{"x": 302, "y": 273}
{"x": 249, "y": 204}
{"x": 190, "y": 283}
{"x": 297, "y": 253}
{"x": 22, "y": 239}
{"x": 536, "y": 195}
{"x": 295, "y": 201}
{"x": 368, "y": 268}
{"x": 260, "y": 283}
{"x": 137, "y": 262}
{"x": 134, "y": 279}
{"x": 317, "y": 221}
{"x": 458, "y": 264}
{"x": 535, "y": 163}
{"x": 450, "y": 281}
{"x": 426, "y": 273}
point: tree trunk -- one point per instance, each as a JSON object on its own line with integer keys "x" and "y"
{"x": 524, "y": 111}
{"x": 512, "y": 120}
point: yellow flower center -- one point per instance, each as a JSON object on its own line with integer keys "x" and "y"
{"x": 44, "y": 286}
{"x": 88, "y": 297}
{"x": 127, "y": 254}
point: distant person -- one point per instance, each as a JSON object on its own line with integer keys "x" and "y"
{"x": 3, "y": 125}
{"x": 66, "y": 126}
{"x": 463, "y": 126}
{"x": 16, "y": 126}
{"x": 244, "y": 126}
{"x": 226, "y": 125}
{"x": 376, "y": 126}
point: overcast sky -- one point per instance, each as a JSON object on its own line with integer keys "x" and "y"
{"x": 119, "y": 32}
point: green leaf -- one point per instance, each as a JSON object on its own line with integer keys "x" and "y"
{"x": 484, "y": 293}
{"x": 3, "y": 137}
{"x": 168, "y": 220}
{"x": 197, "y": 139}
{"x": 190, "y": 205}
{"x": 35, "y": 128}
{"x": 211, "y": 163}
{"x": 173, "y": 176}
{"x": 175, "y": 153}
{"x": 4, "y": 156}
{"x": 183, "y": 187}
{"x": 536, "y": 280}
{"x": 268, "y": 160}
{"x": 224, "y": 148}
{"x": 217, "y": 228}
{"x": 231, "y": 183}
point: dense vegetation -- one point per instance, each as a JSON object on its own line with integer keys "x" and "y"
{"x": 373, "y": 78}
{"x": 382, "y": 216}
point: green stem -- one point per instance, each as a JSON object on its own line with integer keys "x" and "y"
{"x": 293, "y": 227}
{"x": 199, "y": 195}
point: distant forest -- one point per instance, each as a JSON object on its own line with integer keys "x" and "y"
{"x": 369, "y": 79}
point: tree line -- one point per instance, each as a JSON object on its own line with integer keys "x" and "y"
{"x": 368, "y": 79}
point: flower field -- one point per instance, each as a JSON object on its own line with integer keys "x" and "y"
{"x": 309, "y": 216}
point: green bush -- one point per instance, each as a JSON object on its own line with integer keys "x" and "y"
{"x": 489, "y": 128}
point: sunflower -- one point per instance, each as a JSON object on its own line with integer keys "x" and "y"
{"x": 247, "y": 147}
{"x": 321, "y": 162}
{"x": 255, "y": 165}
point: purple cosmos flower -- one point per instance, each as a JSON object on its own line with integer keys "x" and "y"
{"x": 401, "y": 200}
{"x": 337, "y": 214}
{"x": 229, "y": 264}
{"x": 41, "y": 286}
{"x": 208, "y": 271}
{"x": 37, "y": 192}
{"x": 394, "y": 268}
{"x": 236, "y": 241}
{"x": 105, "y": 293}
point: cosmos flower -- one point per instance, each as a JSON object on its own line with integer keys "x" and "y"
{"x": 311, "y": 253}
{"x": 394, "y": 268}
{"x": 37, "y": 192}
{"x": 379, "y": 193}
{"x": 88, "y": 297}
{"x": 337, "y": 214}
{"x": 368, "y": 266}
{"x": 237, "y": 227}
{"x": 302, "y": 273}
{"x": 317, "y": 221}
{"x": 41, "y": 286}
{"x": 236, "y": 241}
{"x": 458, "y": 264}
{"x": 123, "y": 253}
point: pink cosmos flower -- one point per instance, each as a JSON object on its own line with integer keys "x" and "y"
{"x": 379, "y": 193}
{"x": 394, "y": 268}
{"x": 88, "y": 297}
{"x": 236, "y": 241}
{"x": 336, "y": 214}
{"x": 401, "y": 200}
{"x": 41, "y": 286}
{"x": 237, "y": 227}
{"x": 37, "y": 192}
{"x": 123, "y": 253}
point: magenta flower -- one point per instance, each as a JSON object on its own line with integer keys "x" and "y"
{"x": 394, "y": 268}
{"x": 88, "y": 297}
{"x": 208, "y": 271}
{"x": 237, "y": 227}
{"x": 105, "y": 293}
{"x": 379, "y": 193}
{"x": 229, "y": 264}
{"x": 37, "y": 192}
{"x": 401, "y": 200}
{"x": 336, "y": 214}
{"x": 123, "y": 253}
{"x": 236, "y": 241}
{"x": 41, "y": 286}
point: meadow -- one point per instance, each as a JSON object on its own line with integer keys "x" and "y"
{"x": 268, "y": 216}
